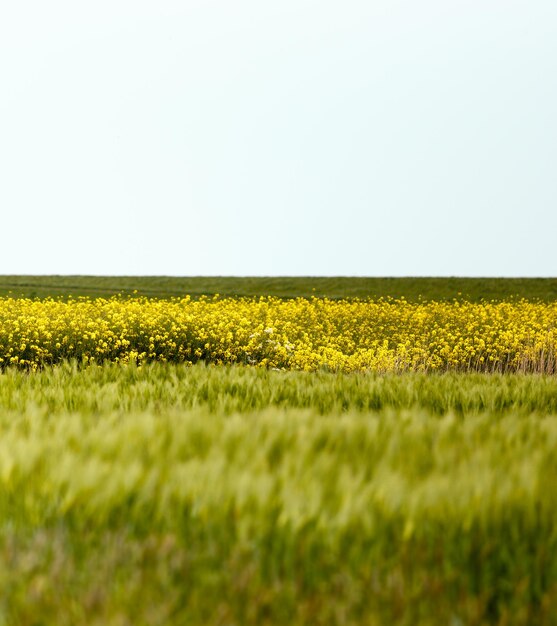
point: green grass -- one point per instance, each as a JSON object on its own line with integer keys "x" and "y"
{"x": 203, "y": 495}
{"x": 412, "y": 288}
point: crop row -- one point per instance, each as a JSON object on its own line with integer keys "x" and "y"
{"x": 301, "y": 334}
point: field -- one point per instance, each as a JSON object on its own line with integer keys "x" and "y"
{"x": 234, "y": 495}
{"x": 412, "y": 288}
{"x": 297, "y": 334}
{"x": 260, "y": 460}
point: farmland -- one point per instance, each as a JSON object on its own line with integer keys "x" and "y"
{"x": 263, "y": 460}
{"x": 164, "y": 494}
{"x": 300, "y": 334}
{"x": 413, "y": 289}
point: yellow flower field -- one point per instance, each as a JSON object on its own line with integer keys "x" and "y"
{"x": 300, "y": 334}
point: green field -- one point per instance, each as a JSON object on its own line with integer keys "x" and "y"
{"x": 412, "y": 288}
{"x": 168, "y": 494}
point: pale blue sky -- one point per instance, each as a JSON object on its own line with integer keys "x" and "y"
{"x": 301, "y": 137}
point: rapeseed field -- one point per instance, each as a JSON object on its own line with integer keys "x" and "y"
{"x": 299, "y": 334}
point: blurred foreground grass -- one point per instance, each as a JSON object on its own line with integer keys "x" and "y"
{"x": 229, "y": 495}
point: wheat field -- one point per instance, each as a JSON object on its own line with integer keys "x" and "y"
{"x": 168, "y": 494}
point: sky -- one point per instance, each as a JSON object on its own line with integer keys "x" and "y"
{"x": 300, "y": 137}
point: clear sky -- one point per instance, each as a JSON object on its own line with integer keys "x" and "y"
{"x": 294, "y": 137}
